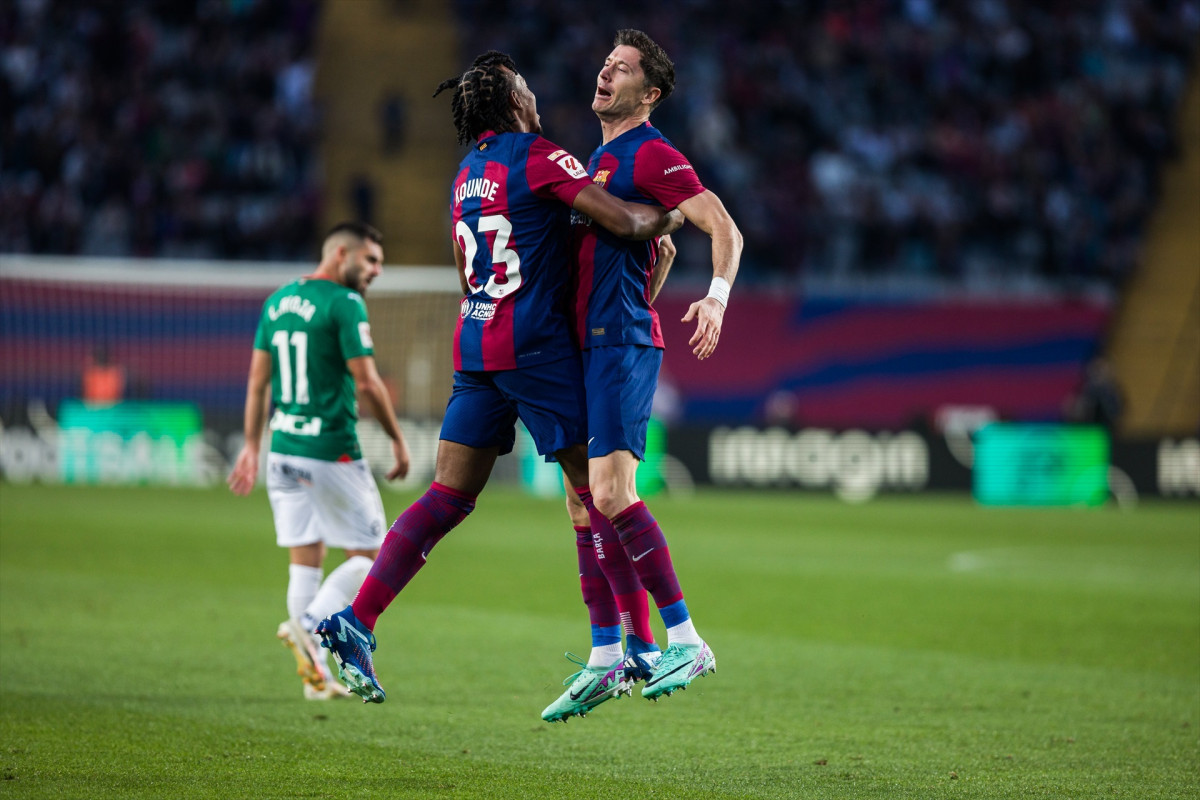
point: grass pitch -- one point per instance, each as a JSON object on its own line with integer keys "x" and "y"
{"x": 908, "y": 648}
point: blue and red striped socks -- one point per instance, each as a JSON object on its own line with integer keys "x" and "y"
{"x": 647, "y": 550}
{"x": 623, "y": 579}
{"x": 407, "y": 545}
{"x": 598, "y": 597}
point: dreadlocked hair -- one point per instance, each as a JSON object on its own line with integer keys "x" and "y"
{"x": 480, "y": 101}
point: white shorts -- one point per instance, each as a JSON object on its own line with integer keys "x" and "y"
{"x": 335, "y": 502}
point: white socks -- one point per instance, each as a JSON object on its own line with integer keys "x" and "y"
{"x": 336, "y": 592}
{"x": 605, "y": 655}
{"x": 303, "y": 583}
{"x": 683, "y": 633}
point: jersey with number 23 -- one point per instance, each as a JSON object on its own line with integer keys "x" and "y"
{"x": 510, "y": 204}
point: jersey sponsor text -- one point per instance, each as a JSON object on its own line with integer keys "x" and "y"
{"x": 296, "y": 424}
{"x": 569, "y": 163}
{"x": 480, "y": 311}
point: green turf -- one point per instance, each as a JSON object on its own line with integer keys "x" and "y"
{"x": 907, "y": 648}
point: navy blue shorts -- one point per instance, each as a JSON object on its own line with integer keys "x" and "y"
{"x": 620, "y": 381}
{"x": 484, "y": 407}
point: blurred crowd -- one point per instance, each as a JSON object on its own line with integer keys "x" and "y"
{"x": 158, "y": 128}
{"x": 983, "y": 139}
{"x": 986, "y": 140}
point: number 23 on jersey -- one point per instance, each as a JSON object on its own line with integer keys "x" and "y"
{"x": 501, "y": 255}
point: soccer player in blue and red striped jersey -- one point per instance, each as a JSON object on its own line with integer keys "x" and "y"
{"x": 513, "y": 352}
{"x": 622, "y": 342}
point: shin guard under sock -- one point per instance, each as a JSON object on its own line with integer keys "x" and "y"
{"x": 406, "y": 546}
{"x": 619, "y": 570}
{"x": 646, "y": 548}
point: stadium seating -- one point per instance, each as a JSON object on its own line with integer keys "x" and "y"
{"x": 159, "y": 129}
{"x": 985, "y": 142}
{"x": 1155, "y": 339}
{"x": 992, "y": 148}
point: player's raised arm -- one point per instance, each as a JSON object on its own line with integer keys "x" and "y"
{"x": 635, "y": 221}
{"x": 258, "y": 387}
{"x": 375, "y": 393}
{"x": 707, "y": 212}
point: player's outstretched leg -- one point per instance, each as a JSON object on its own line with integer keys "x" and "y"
{"x": 620, "y": 573}
{"x": 602, "y": 675}
{"x": 352, "y": 644}
{"x": 687, "y": 656}
{"x": 586, "y": 689}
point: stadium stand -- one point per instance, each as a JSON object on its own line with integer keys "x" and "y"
{"x": 387, "y": 148}
{"x": 158, "y": 128}
{"x": 984, "y": 141}
{"x": 1155, "y": 338}
{"x": 991, "y": 147}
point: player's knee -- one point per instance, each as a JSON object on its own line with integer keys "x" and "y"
{"x": 576, "y": 510}
{"x": 612, "y": 500}
{"x": 359, "y": 564}
{"x": 448, "y": 506}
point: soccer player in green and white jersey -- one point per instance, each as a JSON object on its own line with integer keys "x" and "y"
{"x": 312, "y": 349}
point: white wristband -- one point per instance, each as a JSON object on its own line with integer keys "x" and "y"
{"x": 719, "y": 290}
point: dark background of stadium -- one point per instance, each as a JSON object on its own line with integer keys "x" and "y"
{"x": 900, "y": 149}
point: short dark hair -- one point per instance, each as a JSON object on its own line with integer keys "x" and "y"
{"x": 656, "y": 64}
{"x": 480, "y": 101}
{"x": 361, "y": 230}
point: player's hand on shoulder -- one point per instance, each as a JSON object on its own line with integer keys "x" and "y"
{"x": 709, "y": 314}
